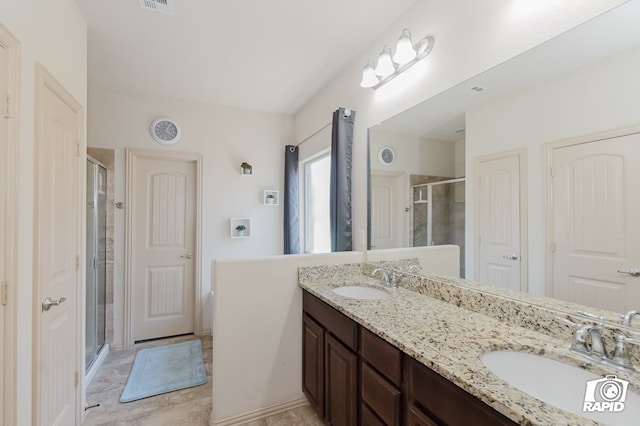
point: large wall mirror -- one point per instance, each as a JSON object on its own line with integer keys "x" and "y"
{"x": 529, "y": 168}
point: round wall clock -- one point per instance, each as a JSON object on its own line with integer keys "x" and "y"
{"x": 165, "y": 131}
{"x": 386, "y": 156}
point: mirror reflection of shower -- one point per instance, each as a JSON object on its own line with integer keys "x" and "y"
{"x": 438, "y": 215}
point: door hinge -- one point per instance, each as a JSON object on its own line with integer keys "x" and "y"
{"x": 552, "y": 172}
{"x": 76, "y": 379}
{"x": 4, "y": 292}
{"x": 77, "y": 149}
{"x": 77, "y": 262}
{"x": 553, "y": 247}
{"x": 8, "y": 108}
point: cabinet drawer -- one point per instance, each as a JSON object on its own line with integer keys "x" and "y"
{"x": 383, "y": 356}
{"x": 440, "y": 399}
{"x": 415, "y": 417}
{"x": 336, "y": 323}
{"x": 383, "y": 398}
{"x": 368, "y": 418}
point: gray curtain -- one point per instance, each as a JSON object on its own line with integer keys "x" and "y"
{"x": 291, "y": 214}
{"x": 340, "y": 196}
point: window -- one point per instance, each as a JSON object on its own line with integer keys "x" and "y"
{"x": 317, "y": 232}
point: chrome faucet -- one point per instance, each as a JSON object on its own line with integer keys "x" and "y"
{"x": 386, "y": 279}
{"x": 626, "y": 318}
{"x": 588, "y": 342}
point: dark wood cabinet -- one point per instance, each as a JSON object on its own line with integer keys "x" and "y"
{"x": 352, "y": 376}
{"x": 432, "y": 398}
{"x": 313, "y": 363}
{"x": 341, "y": 383}
{"x": 415, "y": 417}
{"x": 380, "y": 378}
{"x": 330, "y": 362}
{"x": 381, "y": 396}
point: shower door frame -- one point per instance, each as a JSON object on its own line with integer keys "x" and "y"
{"x": 93, "y": 250}
{"x": 429, "y": 200}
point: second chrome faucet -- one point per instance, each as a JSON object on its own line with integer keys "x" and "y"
{"x": 386, "y": 279}
{"x": 588, "y": 342}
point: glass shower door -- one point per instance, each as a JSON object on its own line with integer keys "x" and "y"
{"x": 96, "y": 260}
{"x": 445, "y": 224}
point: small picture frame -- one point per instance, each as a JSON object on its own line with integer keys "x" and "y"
{"x": 240, "y": 227}
{"x": 271, "y": 197}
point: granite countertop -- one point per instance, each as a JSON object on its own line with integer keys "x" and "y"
{"x": 450, "y": 340}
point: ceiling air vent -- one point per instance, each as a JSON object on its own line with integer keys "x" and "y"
{"x": 162, "y": 6}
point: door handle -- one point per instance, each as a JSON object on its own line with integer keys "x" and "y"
{"x": 512, "y": 257}
{"x": 187, "y": 256}
{"x": 48, "y": 303}
{"x": 634, "y": 272}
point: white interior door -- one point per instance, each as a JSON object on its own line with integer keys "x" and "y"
{"x": 498, "y": 245}
{"x": 387, "y": 211}
{"x": 57, "y": 252}
{"x": 163, "y": 247}
{"x": 596, "y": 223}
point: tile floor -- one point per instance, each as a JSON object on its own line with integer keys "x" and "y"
{"x": 186, "y": 407}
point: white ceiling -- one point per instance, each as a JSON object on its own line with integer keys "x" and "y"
{"x": 254, "y": 54}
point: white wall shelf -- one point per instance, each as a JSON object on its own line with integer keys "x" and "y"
{"x": 271, "y": 197}
{"x": 245, "y": 227}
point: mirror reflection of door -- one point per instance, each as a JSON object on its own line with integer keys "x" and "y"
{"x": 498, "y": 210}
{"x": 596, "y": 206}
{"x": 387, "y": 211}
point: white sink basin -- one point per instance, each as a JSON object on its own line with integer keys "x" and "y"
{"x": 562, "y": 385}
{"x": 359, "y": 292}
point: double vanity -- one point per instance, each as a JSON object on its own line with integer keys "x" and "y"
{"x": 428, "y": 351}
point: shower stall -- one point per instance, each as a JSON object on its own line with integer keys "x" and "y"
{"x": 96, "y": 260}
{"x": 438, "y": 215}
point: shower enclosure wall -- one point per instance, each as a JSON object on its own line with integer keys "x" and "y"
{"x": 96, "y": 260}
{"x": 438, "y": 215}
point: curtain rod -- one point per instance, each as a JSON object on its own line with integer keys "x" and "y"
{"x": 315, "y": 133}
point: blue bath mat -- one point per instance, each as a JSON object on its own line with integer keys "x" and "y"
{"x": 165, "y": 369}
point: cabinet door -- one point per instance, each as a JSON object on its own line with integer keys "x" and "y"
{"x": 313, "y": 364}
{"x": 341, "y": 390}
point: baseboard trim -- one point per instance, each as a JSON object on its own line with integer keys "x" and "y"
{"x": 262, "y": 413}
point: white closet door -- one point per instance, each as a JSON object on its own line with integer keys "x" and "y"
{"x": 498, "y": 217}
{"x": 596, "y": 225}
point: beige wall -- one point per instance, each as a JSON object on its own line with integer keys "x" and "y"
{"x": 595, "y": 98}
{"x": 487, "y": 33}
{"x": 413, "y": 155}
{"x": 225, "y": 137}
{"x": 257, "y": 317}
{"x": 54, "y": 34}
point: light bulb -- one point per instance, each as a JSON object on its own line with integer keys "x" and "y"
{"x": 404, "y": 49}
{"x": 384, "y": 67}
{"x": 369, "y": 78}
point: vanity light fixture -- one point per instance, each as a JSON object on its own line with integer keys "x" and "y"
{"x": 389, "y": 66}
